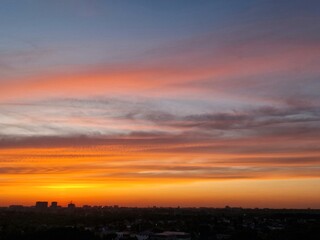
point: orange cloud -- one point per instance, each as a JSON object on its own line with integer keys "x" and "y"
{"x": 145, "y": 78}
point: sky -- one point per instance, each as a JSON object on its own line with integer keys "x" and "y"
{"x": 167, "y": 103}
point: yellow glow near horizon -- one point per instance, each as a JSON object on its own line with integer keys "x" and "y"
{"x": 69, "y": 186}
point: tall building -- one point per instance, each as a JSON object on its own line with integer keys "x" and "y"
{"x": 54, "y": 204}
{"x": 71, "y": 205}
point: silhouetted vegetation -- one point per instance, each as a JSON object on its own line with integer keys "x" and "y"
{"x": 108, "y": 223}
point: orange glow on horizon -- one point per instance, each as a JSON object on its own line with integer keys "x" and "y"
{"x": 100, "y": 177}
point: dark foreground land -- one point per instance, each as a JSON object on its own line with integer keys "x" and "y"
{"x": 114, "y": 223}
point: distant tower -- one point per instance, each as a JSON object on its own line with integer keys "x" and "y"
{"x": 54, "y": 204}
{"x": 71, "y": 205}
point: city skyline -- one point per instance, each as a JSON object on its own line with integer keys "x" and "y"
{"x": 167, "y": 103}
{"x": 72, "y": 205}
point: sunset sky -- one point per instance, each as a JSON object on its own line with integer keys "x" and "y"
{"x": 162, "y": 102}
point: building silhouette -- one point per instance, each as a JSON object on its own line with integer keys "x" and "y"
{"x": 71, "y": 205}
{"x": 41, "y": 205}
